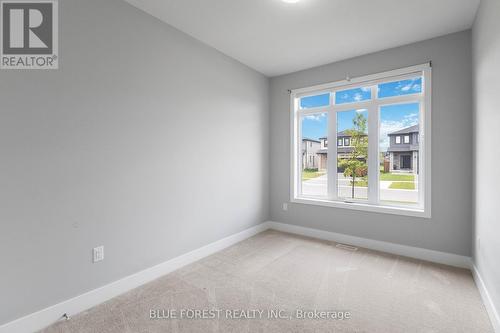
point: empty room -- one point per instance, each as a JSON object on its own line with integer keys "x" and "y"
{"x": 249, "y": 166}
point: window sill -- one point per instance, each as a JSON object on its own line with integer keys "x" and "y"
{"x": 404, "y": 211}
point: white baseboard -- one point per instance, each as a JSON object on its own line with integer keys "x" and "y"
{"x": 408, "y": 251}
{"x": 43, "y": 318}
{"x": 403, "y": 250}
{"x": 488, "y": 302}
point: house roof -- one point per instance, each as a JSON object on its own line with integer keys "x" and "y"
{"x": 307, "y": 139}
{"x": 345, "y": 133}
{"x": 340, "y": 150}
{"x": 407, "y": 130}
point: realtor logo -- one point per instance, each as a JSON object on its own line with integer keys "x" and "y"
{"x": 29, "y": 34}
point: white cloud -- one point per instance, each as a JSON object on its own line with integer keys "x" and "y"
{"x": 406, "y": 87}
{"x": 410, "y": 85}
{"x": 315, "y": 117}
{"x": 411, "y": 117}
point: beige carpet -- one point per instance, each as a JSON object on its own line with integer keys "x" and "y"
{"x": 282, "y": 272}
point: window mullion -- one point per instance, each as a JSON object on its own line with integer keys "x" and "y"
{"x": 296, "y": 148}
{"x": 373, "y": 150}
{"x": 332, "y": 155}
{"x": 311, "y": 111}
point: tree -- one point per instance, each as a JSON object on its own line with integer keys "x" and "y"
{"x": 355, "y": 164}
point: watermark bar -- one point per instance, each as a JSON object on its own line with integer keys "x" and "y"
{"x": 247, "y": 314}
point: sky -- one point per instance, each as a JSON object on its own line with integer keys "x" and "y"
{"x": 392, "y": 117}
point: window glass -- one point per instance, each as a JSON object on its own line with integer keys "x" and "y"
{"x": 352, "y": 167}
{"x": 400, "y": 88}
{"x": 340, "y": 142}
{"x": 353, "y": 95}
{"x": 399, "y": 165}
{"x": 313, "y": 160}
{"x": 315, "y": 101}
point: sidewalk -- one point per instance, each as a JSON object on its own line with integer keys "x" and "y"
{"x": 318, "y": 187}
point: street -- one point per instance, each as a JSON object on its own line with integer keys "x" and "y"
{"x": 318, "y": 187}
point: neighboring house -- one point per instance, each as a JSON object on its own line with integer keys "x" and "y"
{"x": 310, "y": 148}
{"x": 322, "y": 153}
{"x": 344, "y": 148}
{"x": 403, "y": 150}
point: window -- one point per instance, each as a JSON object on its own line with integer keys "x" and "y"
{"x": 314, "y": 101}
{"x": 369, "y": 168}
{"x": 313, "y": 178}
{"x": 398, "y": 88}
{"x": 351, "y": 162}
{"x": 352, "y": 95}
{"x": 400, "y": 174}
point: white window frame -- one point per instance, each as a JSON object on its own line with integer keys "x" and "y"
{"x": 406, "y": 141}
{"x": 398, "y": 139}
{"x": 373, "y": 106}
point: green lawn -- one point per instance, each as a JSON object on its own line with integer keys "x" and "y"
{"x": 311, "y": 173}
{"x": 402, "y": 185}
{"x": 397, "y": 177}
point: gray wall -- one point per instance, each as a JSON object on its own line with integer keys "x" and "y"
{"x": 449, "y": 229}
{"x": 486, "y": 55}
{"x": 117, "y": 149}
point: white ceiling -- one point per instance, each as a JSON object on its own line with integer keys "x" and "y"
{"x": 277, "y": 38}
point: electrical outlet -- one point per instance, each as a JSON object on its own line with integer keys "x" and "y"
{"x": 98, "y": 253}
{"x": 285, "y": 206}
